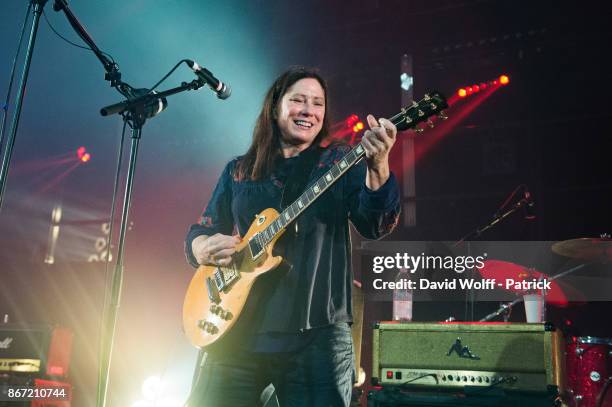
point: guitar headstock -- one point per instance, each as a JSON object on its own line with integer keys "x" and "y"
{"x": 433, "y": 103}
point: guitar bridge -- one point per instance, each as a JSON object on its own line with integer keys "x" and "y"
{"x": 213, "y": 293}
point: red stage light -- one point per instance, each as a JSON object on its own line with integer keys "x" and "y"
{"x": 504, "y": 80}
{"x": 469, "y": 90}
{"x": 86, "y": 157}
{"x": 351, "y": 120}
{"x": 81, "y": 151}
{"x": 462, "y": 93}
{"x": 483, "y": 85}
{"x": 360, "y": 125}
{"x": 476, "y": 88}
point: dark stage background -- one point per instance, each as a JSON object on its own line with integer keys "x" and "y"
{"x": 549, "y": 128}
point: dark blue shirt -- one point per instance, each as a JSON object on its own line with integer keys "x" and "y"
{"x": 316, "y": 292}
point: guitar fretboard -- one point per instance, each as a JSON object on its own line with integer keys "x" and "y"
{"x": 311, "y": 194}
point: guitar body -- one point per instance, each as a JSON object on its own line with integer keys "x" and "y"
{"x": 217, "y": 296}
{"x": 206, "y": 319}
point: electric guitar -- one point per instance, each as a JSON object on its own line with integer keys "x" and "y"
{"x": 216, "y": 295}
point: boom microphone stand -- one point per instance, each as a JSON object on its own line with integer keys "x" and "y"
{"x": 498, "y": 217}
{"x": 140, "y": 105}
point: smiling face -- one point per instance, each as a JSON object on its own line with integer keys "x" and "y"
{"x": 300, "y": 113}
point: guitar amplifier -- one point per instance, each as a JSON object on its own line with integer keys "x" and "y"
{"x": 505, "y": 356}
{"x": 35, "y": 349}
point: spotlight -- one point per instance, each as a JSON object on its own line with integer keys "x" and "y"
{"x": 351, "y": 120}
{"x": 82, "y": 154}
{"x": 358, "y": 127}
{"x": 462, "y": 93}
{"x": 504, "y": 80}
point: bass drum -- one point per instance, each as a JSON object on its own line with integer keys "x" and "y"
{"x": 589, "y": 369}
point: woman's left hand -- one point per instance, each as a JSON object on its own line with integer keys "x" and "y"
{"x": 378, "y": 142}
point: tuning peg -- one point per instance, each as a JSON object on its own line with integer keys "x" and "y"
{"x": 442, "y": 115}
{"x": 426, "y": 97}
{"x": 430, "y": 123}
{"x": 419, "y": 130}
{"x": 415, "y": 104}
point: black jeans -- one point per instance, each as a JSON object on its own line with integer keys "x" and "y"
{"x": 319, "y": 375}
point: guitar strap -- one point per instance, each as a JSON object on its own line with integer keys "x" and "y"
{"x": 298, "y": 177}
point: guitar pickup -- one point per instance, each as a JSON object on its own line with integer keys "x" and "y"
{"x": 213, "y": 293}
{"x": 255, "y": 246}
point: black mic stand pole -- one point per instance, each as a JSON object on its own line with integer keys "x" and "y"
{"x": 134, "y": 112}
{"x": 496, "y": 219}
{"x": 10, "y": 143}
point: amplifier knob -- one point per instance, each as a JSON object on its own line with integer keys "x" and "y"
{"x": 464, "y": 379}
{"x": 479, "y": 379}
{"x": 450, "y": 377}
{"x": 472, "y": 379}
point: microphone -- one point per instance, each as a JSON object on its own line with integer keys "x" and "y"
{"x": 222, "y": 90}
{"x": 528, "y": 205}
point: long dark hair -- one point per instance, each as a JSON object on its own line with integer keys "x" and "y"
{"x": 259, "y": 160}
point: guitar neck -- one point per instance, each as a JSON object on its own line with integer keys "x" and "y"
{"x": 312, "y": 193}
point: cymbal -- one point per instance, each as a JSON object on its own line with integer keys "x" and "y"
{"x": 586, "y": 248}
{"x": 501, "y": 270}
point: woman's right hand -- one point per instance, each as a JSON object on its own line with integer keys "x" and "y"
{"x": 214, "y": 250}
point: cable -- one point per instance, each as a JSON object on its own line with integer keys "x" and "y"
{"x": 74, "y": 44}
{"x": 12, "y": 75}
{"x": 151, "y": 89}
{"x": 166, "y": 76}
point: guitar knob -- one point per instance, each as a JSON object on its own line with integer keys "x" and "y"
{"x": 212, "y": 329}
{"x": 228, "y": 316}
{"x": 214, "y": 308}
{"x": 430, "y": 124}
{"x": 419, "y": 130}
{"x": 442, "y": 115}
{"x": 202, "y": 324}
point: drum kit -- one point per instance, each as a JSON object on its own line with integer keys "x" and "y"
{"x": 588, "y": 359}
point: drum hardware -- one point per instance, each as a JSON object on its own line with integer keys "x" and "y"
{"x": 585, "y": 248}
{"x": 507, "y": 270}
